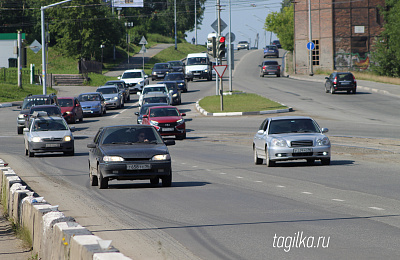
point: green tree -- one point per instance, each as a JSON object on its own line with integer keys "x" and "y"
{"x": 282, "y": 24}
{"x": 387, "y": 48}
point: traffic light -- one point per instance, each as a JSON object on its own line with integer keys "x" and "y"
{"x": 214, "y": 47}
{"x": 221, "y": 47}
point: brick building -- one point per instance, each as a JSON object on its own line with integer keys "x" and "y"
{"x": 343, "y": 32}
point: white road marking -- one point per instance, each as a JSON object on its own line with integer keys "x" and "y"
{"x": 376, "y": 208}
{"x": 195, "y": 166}
{"x": 239, "y": 177}
{"x": 258, "y": 181}
{"x": 222, "y": 173}
{"x": 338, "y": 200}
{"x": 280, "y": 186}
{"x": 306, "y": 192}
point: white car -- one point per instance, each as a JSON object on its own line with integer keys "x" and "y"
{"x": 135, "y": 79}
{"x": 154, "y": 88}
{"x": 291, "y": 138}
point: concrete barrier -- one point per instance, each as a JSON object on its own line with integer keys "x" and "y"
{"x": 54, "y": 235}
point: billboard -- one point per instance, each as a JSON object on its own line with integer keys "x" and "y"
{"x": 128, "y": 3}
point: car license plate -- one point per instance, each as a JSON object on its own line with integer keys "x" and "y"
{"x": 302, "y": 150}
{"x": 197, "y": 74}
{"x": 138, "y": 166}
{"x": 52, "y": 145}
{"x": 271, "y": 72}
{"x": 167, "y": 129}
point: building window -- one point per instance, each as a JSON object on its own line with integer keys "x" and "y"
{"x": 315, "y": 53}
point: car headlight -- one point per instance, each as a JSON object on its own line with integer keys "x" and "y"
{"x": 21, "y": 116}
{"x": 205, "y": 71}
{"x": 180, "y": 121}
{"x": 154, "y": 73}
{"x": 115, "y": 98}
{"x": 323, "y": 141}
{"x": 68, "y": 112}
{"x": 175, "y": 95}
{"x": 141, "y": 82}
{"x": 152, "y": 122}
{"x": 36, "y": 139}
{"x": 161, "y": 157}
{"x": 278, "y": 142}
{"x": 67, "y": 138}
{"x": 108, "y": 158}
{"x": 180, "y": 84}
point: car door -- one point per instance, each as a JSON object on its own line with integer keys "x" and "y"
{"x": 78, "y": 108}
{"x": 328, "y": 82}
{"x": 259, "y": 138}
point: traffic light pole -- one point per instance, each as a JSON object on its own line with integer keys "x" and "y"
{"x": 220, "y": 58}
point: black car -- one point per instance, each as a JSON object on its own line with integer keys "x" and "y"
{"x": 160, "y": 70}
{"x": 33, "y": 100}
{"x": 144, "y": 108}
{"x": 179, "y": 77}
{"x": 129, "y": 152}
{"x": 277, "y": 43}
{"x": 122, "y": 87}
{"x": 270, "y": 67}
{"x": 175, "y": 92}
{"x": 51, "y": 110}
{"x": 177, "y": 66}
{"x": 341, "y": 81}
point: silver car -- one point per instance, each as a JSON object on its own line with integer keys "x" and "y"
{"x": 291, "y": 138}
{"x": 112, "y": 95}
{"x": 48, "y": 134}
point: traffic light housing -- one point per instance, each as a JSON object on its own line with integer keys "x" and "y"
{"x": 221, "y": 47}
{"x": 214, "y": 47}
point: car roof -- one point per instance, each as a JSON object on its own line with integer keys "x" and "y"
{"x": 154, "y": 104}
{"x": 108, "y": 86}
{"x": 289, "y": 117}
{"x": 175, "y": 73}
{"x": 44, "y": 106}
{"x": 133, "y": 70}
{"x": 167, "y": 81}
{"x": 161, "y": 63}
{"x": 243, "y": 42}
{"x": 120, "y": 126}
{"x": 168, "y": 106}
{"x": 116, "y": 81}
{"x": 153, "y": 85}
{"x": 66, "y": 97}
{"x": 191, "y": 55}
{"x": 155, "y": 94}
{"x": 90, "y": 93}
{"x": 270, "y": 62}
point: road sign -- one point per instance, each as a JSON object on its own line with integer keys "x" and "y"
{"x": 214, "y": 25}
{"x": 143, "y": 49}
{"x": 143, "y": 41}
{"x": 35, "y": 46}
{"x": 233, "y": 37}
{"x": 220, "y": 69}
{"x": 310, "y": 45}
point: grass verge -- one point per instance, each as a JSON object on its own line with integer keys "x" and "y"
{"x": 245, "y": 102}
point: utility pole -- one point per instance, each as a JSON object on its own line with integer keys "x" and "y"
{"x": 220, "y": 59}
{"x": 310, "y": 37}
{"x": 19, "y": 61}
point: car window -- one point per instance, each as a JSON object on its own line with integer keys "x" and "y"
{"x": 129, "y": 75}
{"x": 293, "y": 126}
{"x": 66, "y": 102}
{"x": 345, "y": 77}
{"x": 174, "y": 77}
{"x": 129, "y": 135}
{"x": 107, "y": 90}
{"x": 51, "y": 111}
{"x": 36, "y": 101}
{"x": 270, "y": 63}
{"x": 263, "y": 125}
{"x": 90, "y": 97}
{"x": 49, "y": 125}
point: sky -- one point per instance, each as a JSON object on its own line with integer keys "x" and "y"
{"x": 247, "y": 19}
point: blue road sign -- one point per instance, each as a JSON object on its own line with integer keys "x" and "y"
{"x": 310, "y": 45}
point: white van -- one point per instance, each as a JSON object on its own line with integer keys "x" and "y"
{"x": 198, "y": 65}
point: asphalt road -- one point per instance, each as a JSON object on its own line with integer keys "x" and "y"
{"x": 221, "y": 205}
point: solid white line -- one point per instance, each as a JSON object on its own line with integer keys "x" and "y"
{"x": 239, "y": 177}
{"x": 222, "y": 173}
{"x": 376, "y": 208}
{"x": 195, "y": 166}
{"x": 280, "y": 186}
{"x": 338, "y": 200}
{"x": 258, "y": 181}
{"x": 306, "y": 192}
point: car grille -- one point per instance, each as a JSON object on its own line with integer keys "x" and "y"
{"x": 52, "y": 139}
{"x": 167, "y": 124}
{"x": 301, "y": 143}
{"x": 302, "y": 154}
{"x": 136, "y": 159}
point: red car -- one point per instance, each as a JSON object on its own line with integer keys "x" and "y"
{"x": 167, "y": 120}
{"x": 71, "y": 109}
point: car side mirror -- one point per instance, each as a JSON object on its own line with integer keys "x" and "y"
{"x": 183, "y": 114}
{"x": 145, "y": 116}
{"x": 119, "y": 77}
{"x": 260, "y": 132}
{"x": 146, "y": 76}
{"x": 138, "y": 93}
{"x": 19, "y": 107}
{"x": 72, "y": 128}
{"x": 25, "y": 130}
{"x": 326, "y": 77}
{"x": 91, "y": 145}
{"x": 325, "y": 130}
{"x": 137, "y": 113}
{"x": 169, "y": 142}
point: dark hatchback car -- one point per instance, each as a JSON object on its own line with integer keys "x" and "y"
{"x": 177, "y": 65}
{"x": 144, "y": 108}
{"x": 277, "y": 43}
{"x": 129, "y": 152}
{"x": 271, "y": 51}
{"x": 179, "y": 77}
{"x": 160, "y": 70}
{"x": 175, "y": 92}
{"x": 124, "y": 88}
{"x": 270, "y": 67}
{"x": 341, "y": 81}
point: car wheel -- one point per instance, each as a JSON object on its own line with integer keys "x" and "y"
{"x": 74, "y": 120}
{"x": 354, "y": 91}
{"x": 310, "y": 161}
{"x": 122, "y": 103}
{"x": 81, "y": 119}
{"x": 278, "y": 75}
{"x": 257, "y": 161}
{"x": 105, "y": 111}
{"x": 26, "y": 152}
{"x": 103, "y": 182}
{"x": 71, "y": 153}
{"x": 20, "y": 130}
{"x": 326, "y": 161}
{"x": 332, "y": 90}
{"x": 129, "y": 97}
{"x": 268, "y": 162}
{"x": 93, "y": 179}
{"x": 262, "y": 75}
{"x": 167, "y": 180}
{"x": 326, "y": 90}
{"x": 155, "y": 181}
{"x": 30, "y": 154}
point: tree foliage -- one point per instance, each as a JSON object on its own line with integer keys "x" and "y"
{"x": 282, "y": 24}
{"x": 387, "y": 48}
{"x": 79, "y": 27}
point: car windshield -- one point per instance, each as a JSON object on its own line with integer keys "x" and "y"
{"x": 130, "y": 135}
{"x": 153, "y": 89}
{"x": 171, "y": 86}
{"x": 118, "y": 84}
{"x": 293, "y": 126}
{"x": 51, "y": 111}
{"x": 131, "y": 75}
{"x": 242, "y": 42}
{"x": 348, "y": 77}
{"x": 172, "y": 76}
{"x": 196, "y": 61}
{"x": 175, "y": 63}
{"x": 161, "y": 112}
{"x": 160, "y": 66}
{"x": 29, "y": 102}
{"x": 270, "y": 62}
{"x": 107, "y": 90}
{"x": 65, "y": 102}
{"x": 49, "y": 125}
{"x": 273, "y": 47}
{"x": 89, "y": 97}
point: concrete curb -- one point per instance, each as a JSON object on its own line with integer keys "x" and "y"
{"x": 204, "y": 112}
{"x": 54, "y": 236}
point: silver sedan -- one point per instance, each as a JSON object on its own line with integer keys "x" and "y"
{"x": 291, "y": 138}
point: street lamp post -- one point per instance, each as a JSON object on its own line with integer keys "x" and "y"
{"x": 102, "y": 47}
{"x": 44, "y": 65}
{"x": 176, "y": 39}
{"x": 310, "y": 37}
